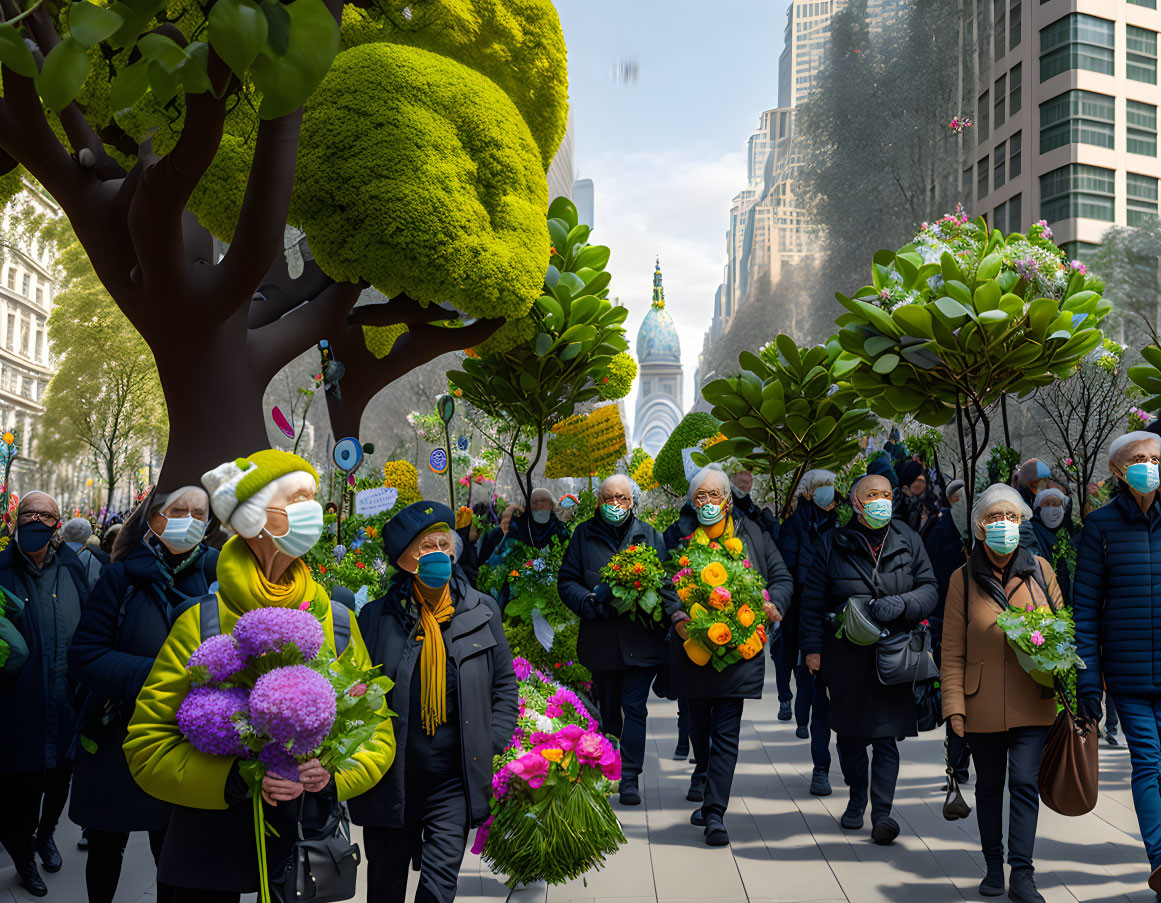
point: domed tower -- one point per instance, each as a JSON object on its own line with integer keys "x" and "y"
{"x": 660, "y": 402}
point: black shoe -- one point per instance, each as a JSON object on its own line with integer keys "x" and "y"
{"x": 49, "y": 854}
{"x": 630, "y": 795}
{"x": 884, "y": 832}
{"x": 30, "y": 879}
{"x": 715, "y": 831}
{"x": 1022, "y": 886}
{"x": 83, "y": 842}
{"x": 696, "y": 792}
{"x": 993, "y": 883}
{"x": 1111, "y": 738}
{"x": 681, "y": 752}
{"x": 803, "y": 732}
{"x": 852, "y": 819}
{"x": 820, "y": 783}
{"x": 785, "y": 713}
{"x": 697, "y": 818}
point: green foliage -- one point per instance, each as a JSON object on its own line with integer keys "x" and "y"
{"x": 1148, "y": 377}
{"x": 472, "y": 199}
{"x": 1044, "y": 642}
{"x": 634, "y": 576}
{"x": 1002, "y": 464}
{"x": 619, "y": 379}
{"x": 963, "y": 315}
{"x": 783, "y": 413}
{"x": 660, "y": 519}
{"x": 668, "y": 466}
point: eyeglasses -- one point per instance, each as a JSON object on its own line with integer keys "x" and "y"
{"x": 49, "y": 520}
{"x": 879, "y": 494}
{"x": 708, "y": 497}
{"x": 436, "y": 542}
{"x": 996, "y": 517}
{"x": 619, "y": 499}
{"x": 1145, "y": 459}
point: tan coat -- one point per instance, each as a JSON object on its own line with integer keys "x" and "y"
{"x": 985, "y": 683}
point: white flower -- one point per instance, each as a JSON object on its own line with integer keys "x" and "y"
{"x": 545, "y": 724}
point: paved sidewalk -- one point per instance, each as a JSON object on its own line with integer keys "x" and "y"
{"x": 787, "y": 845}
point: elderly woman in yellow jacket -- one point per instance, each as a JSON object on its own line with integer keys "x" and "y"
{"x": 268, "y": 500}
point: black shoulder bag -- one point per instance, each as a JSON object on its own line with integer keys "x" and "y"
{"x": 905, "y": 657}
{"x": 320, "y": 869}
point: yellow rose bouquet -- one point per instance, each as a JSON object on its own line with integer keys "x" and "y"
{"x": 723, "y": 594}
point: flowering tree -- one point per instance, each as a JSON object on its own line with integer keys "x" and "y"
{"x": 961, "y": 316}
{"x": 586, "y": 445}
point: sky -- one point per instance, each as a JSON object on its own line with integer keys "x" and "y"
{"x": 667, "y": 153}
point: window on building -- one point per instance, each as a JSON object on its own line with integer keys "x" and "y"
{"x": 25, "y": 284}
{"x": 25, "y": 335}
{"x": 966, "y": 185}
{"x": 1015, "y": 89}
{"x": 1140, "y": 198}
{"x": 1014, "y": 15}
{"x": 999, "y": 31}
{"x": 1015, "y": 154}
{"x": 40, "y": 296}
{"x": 40, "y": 345}
{"x": 1077, "y": 117}
{"x": 1141, "y": 55}
{"x": 1077, "y": 190}
{"x": 1015, "y": 214}
{"x": 12, "y": 278}
{"x": 982, "y": 179}
{"x": 999, "y": 93}
{"x": 1076, "y": 41}
{"x": 647, "y": 389}
{"x": 998, "y": 161}
{"x": 1141, "y": 134}
{"x": 1080, "y": 250}
{"x": 982, "y": 115}
{"x": 1151, "y": 4}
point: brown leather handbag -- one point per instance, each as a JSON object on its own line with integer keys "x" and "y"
{"x": 1069, "y": 767}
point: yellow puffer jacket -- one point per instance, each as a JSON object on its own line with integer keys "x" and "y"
{"x": 167, "y": 766}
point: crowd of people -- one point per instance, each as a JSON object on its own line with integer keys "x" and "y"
{"x": 109, "y": 626}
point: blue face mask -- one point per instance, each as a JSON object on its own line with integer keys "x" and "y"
{"x": 435, "y": 569}
{"x": 709, "y": 514}
{"x": 613, "y": 514}
{"x": 823, "y": 496}
{"x": 1003, "y": 537}
{"x": 304, "y": 526}
{"x": 877, "y": 513}
{"x": 1142, "y": 477}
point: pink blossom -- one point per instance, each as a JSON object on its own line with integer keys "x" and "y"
{"x": 531, "y": 768}
{"x": 357, "y": 690}
{"x": 676, "y": 579}
{"x": 482, "y": 836}
{"x": 746, "y": 563}
{"x": 1028, "y": 607}
{"x": 765, "y": 595}
{"x": 522, "y": 667}
{"x": 1037, "y": 638}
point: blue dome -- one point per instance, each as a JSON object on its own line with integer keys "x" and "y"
{"x": 657, "y": 339}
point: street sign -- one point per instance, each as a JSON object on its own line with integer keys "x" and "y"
{"x": 370, "y": 502}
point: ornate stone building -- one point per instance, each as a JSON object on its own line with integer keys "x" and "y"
{"x": 660, "y": 402}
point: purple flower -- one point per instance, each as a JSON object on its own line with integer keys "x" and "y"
{"x": 1037, "y": 638}
{"x": 272, "y": 629}
{"x": 482, "y": 836}
{"x": 206, "y": 717}
{"x": 279, "y": 762}
{"x": 219, "y": 657}
{"x": 1078, "y": 266}
{"x": 1027, "y": 269}
{"x": 293, "y": 705}
{"x": 522, "y": 667}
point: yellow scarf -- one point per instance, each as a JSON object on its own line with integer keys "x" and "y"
{"x": 244, "y": 587}
{"x": 435, "y": 608}
{"x": 723, "y": 529}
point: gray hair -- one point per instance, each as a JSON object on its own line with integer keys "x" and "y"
{"x": 711, "y": 472}
{"x": 812, "y": 479}
{"x": 1049, "y": 494}
{"x": 1122, "y": 443}
{"x": 954, "y": 488}
{"x": 996, "y": 496}
{"x": 617, "y": 479}
{"x": 76, "y": 530}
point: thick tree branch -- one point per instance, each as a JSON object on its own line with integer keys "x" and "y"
{"x": 25, "y": 135}
{"x": 273, "y": 346}
{"x": 280, "y": 293}
{"x": 400, "y": 309}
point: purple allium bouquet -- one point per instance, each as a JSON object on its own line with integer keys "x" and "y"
{"x": 551, "y": 819}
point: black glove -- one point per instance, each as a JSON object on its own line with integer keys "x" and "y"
{"x": 1089, "y": 709}
{"x": 590, "y": 610}
{"x": 602, "y": 594}
{"x": 886, "y": 610}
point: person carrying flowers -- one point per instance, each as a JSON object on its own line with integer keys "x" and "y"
{"x": 884, "y": 560}
{"x": 622, "y": 652}
{"x": 987, "y": 695}
{"x": 442, "y": 643}
{"x": 210, "y": 854}
{"x": 714, "y": 697}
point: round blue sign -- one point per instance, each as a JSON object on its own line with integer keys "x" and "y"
{"x": 437, "y": 461}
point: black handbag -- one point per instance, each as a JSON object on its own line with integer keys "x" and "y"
{"x": 955, "y": 806}
{"x": 906, "y": 658}
{"x": 319, "y": 869}
{"x": 928, "y": 706}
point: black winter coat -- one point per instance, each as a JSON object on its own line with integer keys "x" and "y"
{"x": 860, "y": 706}
{"x": 799, "y": 540}
{"x": 38, "y": 709}
{"x": 743, "y": 680}
{"x": 760, "y": 514}
{"x": 947, "y": 553}
{"x": 487, "y": 693}
{"x": 616, "y": 642}
{"x": 521, "y": 529}
{"x": 1047, "y": 539}
{"x": 121, "y": 631}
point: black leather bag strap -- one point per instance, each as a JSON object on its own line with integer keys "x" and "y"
{"x": 341, "y": 623}
{"x": 211, "y": 624}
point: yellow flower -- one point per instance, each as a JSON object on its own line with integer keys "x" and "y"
{"x": 697, "y": 653}
{"x": 745, "y": 616}
{"x": 700, "y": 538}
{"x": 714, "y": 574}
{"x": 719, "y": 633}
{"x": 751, "y": 647}
{"x": 697, "y": 610}
{"x": 553, "y": 755}
{"x": 733, "y": 544}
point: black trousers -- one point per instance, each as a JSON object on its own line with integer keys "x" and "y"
{"x": 819, "y": 722}
{"x": 435, "y": 839}
{"x": 715, "y": 726}
{"x": 623, "y": 698}
{"x": 884, "y": 772}
{"x": 32, "y": 806}
{"x": 193, "y": 895}
{"x": 1014, "y": 754}
{"x": 103, "y": 865}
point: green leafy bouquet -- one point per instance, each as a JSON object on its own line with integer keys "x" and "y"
{"x": 1044, "y": 641}
{"x": 551, "y": 819}
{"x": 634, "y": 575}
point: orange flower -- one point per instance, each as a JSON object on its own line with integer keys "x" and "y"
{"x": 470, "y": 352}
{"x": 745, "y": 616}
{"x": 684, "y": 592}
{"x": 697, "y": 653}
{"x": 761, "y": 632}
{"x": 714, "y": 546}
{"x": 719, "y": 633}
{"x": 632, "y": 548}
{"x": 683, "y": 561}
{"x": 553, "y": 755}
{"x": 638, "y": 569}
{"x": 714, "y": 574}
{"x": 514, "y": 574}
{"x": 733, "y": 544}
{"x": 750, "y": 648}
{"x": 719, "y": 598}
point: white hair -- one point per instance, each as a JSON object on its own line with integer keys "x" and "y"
{"x": 711, "y": 472}
{"x": 248, "y": 519}
{"x": 170, "y": 499}
{"x": 1121, "y": 443}
{"x": 954, "y": 488}
{"x": 998, "y": 495}
{"x": 812, "y": 479}
{"x": 617, "y": 479}
{"x": 458, "y": 545}
{"x": 1049, "y": 494}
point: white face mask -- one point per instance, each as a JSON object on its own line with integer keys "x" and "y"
{"x": 1052, "y": 516}
{"x": 182, "y": 533}
{"x": 541, "y": 517}
{"x": 304, "y": 527}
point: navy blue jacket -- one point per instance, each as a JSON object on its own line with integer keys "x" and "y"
{"x": 1047, "y": 539}
{"x": 1116, "y": 599}
{"x": 124, "y": 626}
{"x": 799, "y": 540}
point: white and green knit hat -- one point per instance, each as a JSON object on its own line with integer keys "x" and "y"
{"x": 233, "y": 484}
